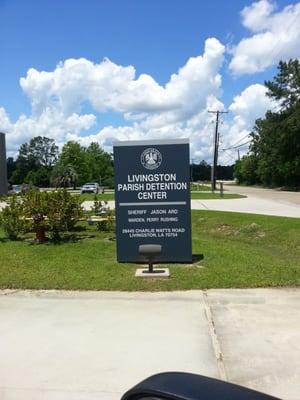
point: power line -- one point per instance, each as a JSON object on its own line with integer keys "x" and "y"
{"x": 236, "y": 147}
{"x": 216, "y": 148}
{"x": 244, "y": 137}
{"x": 229, "y": 156}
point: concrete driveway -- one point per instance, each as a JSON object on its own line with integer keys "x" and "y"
{"x": 258, "y": 201}
{"x": 249, "y": 205}
{"x": 95, "y": 345}
{"x": 279, "y": 196}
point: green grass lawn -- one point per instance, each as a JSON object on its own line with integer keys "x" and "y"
{"x": 201, "y": 187}
{"x": 194, "y": 195}
{"x": 238, "y": 250}
{"x": 216, "y": 195}
{"x": 91, "y": 197}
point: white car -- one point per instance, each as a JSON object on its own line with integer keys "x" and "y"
{"x": 92, "y": 187}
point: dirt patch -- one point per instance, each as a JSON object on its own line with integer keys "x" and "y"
{"x": 252, "y": 230}
{"x": 224, "y": 229}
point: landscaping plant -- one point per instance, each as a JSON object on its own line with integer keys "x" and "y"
{"x": 12, "y": 218}
{"x": 55, "y": 212}
{"x": 35, "y": 210}
{"x": 109, "y": 223}
{"x": 63, "y": 212}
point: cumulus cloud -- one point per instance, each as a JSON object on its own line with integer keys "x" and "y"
{"x": 276, "y": 36}
{"x": 152, "y": 111}
{"x": 5, "y": 123}
{"x": 51, "y": 123}
{"x": 256, "y": 16}
{"x": 111, "y": 87}
{"x": 251, "y": 104}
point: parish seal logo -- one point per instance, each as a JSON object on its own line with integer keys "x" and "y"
{"x": 151, "y": 158}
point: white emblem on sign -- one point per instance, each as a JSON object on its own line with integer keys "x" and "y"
{"x": 151, "y": 158}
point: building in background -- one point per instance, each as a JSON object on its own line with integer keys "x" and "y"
{"x": 3, "y": 171}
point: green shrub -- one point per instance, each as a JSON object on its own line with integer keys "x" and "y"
{"x": 35, "y": 209}
{"x": 109, "y": 224}
{"x": 245, "y": 170}
{"x": 63, "y": 212}
{"x": 12, "y": 218}
{"x": 55, "y": 212}
{"x": 97, "y": 205}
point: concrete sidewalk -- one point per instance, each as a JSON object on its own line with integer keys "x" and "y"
{"x": 280, "y": 196}
{"x": 95, "y": 345}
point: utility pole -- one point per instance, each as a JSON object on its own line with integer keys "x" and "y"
{"x": 239, "y": 154}
{"x": 3, "y": 167}
{"x": 192, "y": 172}
{"x": 216, "y": 149}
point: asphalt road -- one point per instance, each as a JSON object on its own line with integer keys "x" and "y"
{"x": 96, "y": 345}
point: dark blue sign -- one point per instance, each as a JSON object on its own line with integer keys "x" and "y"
{"x": 152, "y": 195}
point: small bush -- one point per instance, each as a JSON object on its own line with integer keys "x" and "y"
{"x": 12, "y": 218}
{"x": 109, "y": 224}
{"x": 55, "y": 212}
{"x": 97, "y": 205}
{"x": 35, "y": 209}
{"x": 63, "y": 212}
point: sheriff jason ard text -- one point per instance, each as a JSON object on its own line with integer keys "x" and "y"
{"x": 151, "y": 186}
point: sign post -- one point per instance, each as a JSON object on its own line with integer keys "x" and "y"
{"x": 152, "y": 196}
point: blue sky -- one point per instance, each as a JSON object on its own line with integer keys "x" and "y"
{"x": 155, "y": 37}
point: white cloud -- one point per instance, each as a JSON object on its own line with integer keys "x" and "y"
{"x": 152, "y": 111}
{"x": 256, "y": 16}
{"x": 251, "y": 104}
{"x": 276, "y": 36}
{"x": 5, "y": 124}
{"x": 107, "y": 86}
{"x": 50, "y": 123}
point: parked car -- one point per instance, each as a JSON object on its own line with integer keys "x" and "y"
{"x": 17, "y": 189}
{"x": 92, "y": 187}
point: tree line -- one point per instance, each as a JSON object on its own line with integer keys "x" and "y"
{"x": 273, "y": 159}
{"x": 202, "y": 172}
{"x": 40, "y": 163}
